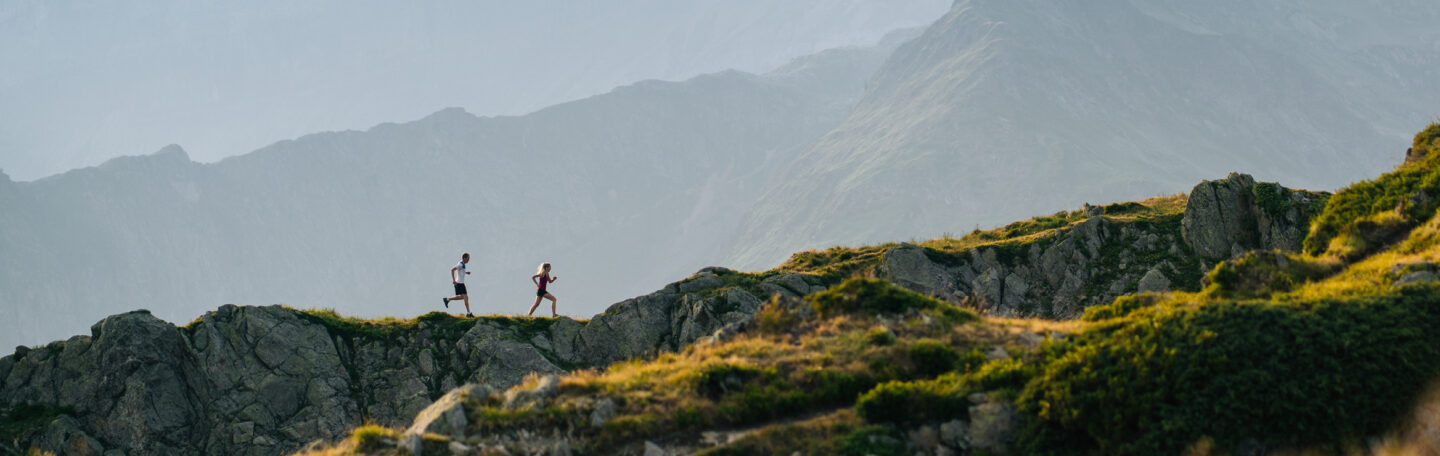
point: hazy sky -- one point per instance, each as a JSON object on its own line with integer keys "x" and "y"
{"x": 87, "y": 81}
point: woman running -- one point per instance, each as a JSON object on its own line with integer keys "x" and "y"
{"x": 541, "y": 278}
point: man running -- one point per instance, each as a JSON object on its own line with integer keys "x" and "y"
{"x": 457, "y": 277}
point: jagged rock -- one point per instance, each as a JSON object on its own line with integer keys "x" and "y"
{"x": 1219, "y": 216}
{"x": 547, "y": 388}
{"x": 144, "y": 398}
{"x": 997, "y": 354}
{"x": 651, "y": 449}
{"x": 460, "y": 448}
{"x": 604, "y": 411}
{"x": 1416, "y": 277}
{"x": 955, "y": 434}
{"x": 1153, "y": 281}
{"x": 791, "y": 285}
{"x": 702, "y": 280}
{"x": 924, "y": 437}
{"x": 909, "y": 267}
{"x": 497, "y": 360}
{"x": 1014, "y": 293}
{"x": 561, "y": 448}
{"x": 1227, "y": 217}
{"x": 992, "y": 426}
{"x": 412, "y": 443}
{"x": 447, "y": 415}
{"x": 704, "y": 316}
{"x": 267, "y": 380}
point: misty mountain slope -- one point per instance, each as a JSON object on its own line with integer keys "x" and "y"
{"x": 84, "y": 84}
{"x": 1002, "y": 110}
{"x": 618, "y": 190}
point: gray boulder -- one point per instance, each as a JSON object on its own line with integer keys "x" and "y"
{"x": 909, "y": 267}
{"x": 447, "y": 415}
{"x": 1416, "y": 277}
{"x": 1226, "y": 217}
{"x": 992, "y": 427}
{"x": 1153, "y": 281}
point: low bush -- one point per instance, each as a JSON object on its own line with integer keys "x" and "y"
{"x": 909, "y": 403}
{"x": 872, "y": 441}
{"x": 371, "y": 437}
{"x": 1258, "y": 274}
{"x": 1323, "y": 372}
{"x": 714, "y": 380}
{"x": 1427, "y": 140}
{"x": 878, "y": 297}
{"x": 1004, "y": 374}
{"x": 1412, "y": 191}
{"x": 775, "y": 318}
{"x": 1121, "y": 306}
{"x": 932, "y": 358}
{"x": 879, "y": 336}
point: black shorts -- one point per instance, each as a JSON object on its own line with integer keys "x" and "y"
{"x": 459, "y": 289}
{"x": 539, "y": 293}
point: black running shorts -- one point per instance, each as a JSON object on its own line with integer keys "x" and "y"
{"x": 459, "y": 289}
{"x": 539, "y": 293}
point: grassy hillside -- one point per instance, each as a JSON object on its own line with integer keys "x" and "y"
{"x": 1325, "y": 351}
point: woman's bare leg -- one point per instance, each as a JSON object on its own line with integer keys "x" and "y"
{"x": 532, "y": 308}
{"x": 552, "y": 304}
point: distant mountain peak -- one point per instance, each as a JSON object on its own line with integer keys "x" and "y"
{"x": 171, "y": 154}
{"x": 172, "y": 151}
{"x": 451, "y": 113}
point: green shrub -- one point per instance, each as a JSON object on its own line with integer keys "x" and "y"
{"x": 952, "y": 315}
{"x": 879, "y": 336}
{"x": 878, "y": 297}
{"x": 746, "y": 394}
{"x": 1004, "y": 374}
{"x": 1427, "y": 140}
{"x": 775, "y": 318}
{"x": 1326, "y": 372}
{"x": 932, "y": 358}
{"x": 1124, "y": 305}
{"x": 714, "y": 380}
{"x": 909, "y": 403}
{"x": 1125, "y": 208}
{"x": 1413, "y": 189}
{"x": 872, "y": 441}
{"x": 1271, "y": 198}
{"x": 971, "y": 360}
{"x": 1258, "y": 274}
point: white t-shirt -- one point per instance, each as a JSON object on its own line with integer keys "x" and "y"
{"x": 460, "y": 272}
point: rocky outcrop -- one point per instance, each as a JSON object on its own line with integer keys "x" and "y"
{"x": 1227, "y": 217}
{"x": 1054, "y": 275}
{"x": 266, "y": 380}
{"x": 1059, "y": 273}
